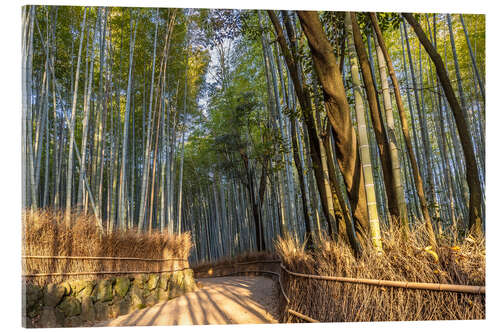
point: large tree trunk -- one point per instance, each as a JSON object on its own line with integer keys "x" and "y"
{"x": 181, "y": 169}
{"x": 294, "y": 137}
{"x": 476, "y": 196}
{"x": 337, "y": 107}
{"x": 306, "y": 106}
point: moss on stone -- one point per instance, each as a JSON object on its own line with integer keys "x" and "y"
{"x": 52, "y": 294}
{"x": 140, "y": 280}
{"x": 82, "y": 288}
{"x": 80, "y": 302}
{"x": 103, "y": 291}
{"x": 136, "y": 295}
{"x": 153, "y": 281}
{"x": 70, "y": 306}
{"x": 78, "y": 285}
{"x": 121, "y": 286}
{"x": 113, "y": 310}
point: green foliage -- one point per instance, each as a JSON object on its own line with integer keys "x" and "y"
{"x": 218, "y": 25}
{"x": 210, "y": 87}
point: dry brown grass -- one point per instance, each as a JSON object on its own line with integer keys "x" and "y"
{"x": 403, "y": 260}
{"x": 45, "y": 234}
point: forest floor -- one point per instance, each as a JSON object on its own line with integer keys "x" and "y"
{"x": 223, "y": 300}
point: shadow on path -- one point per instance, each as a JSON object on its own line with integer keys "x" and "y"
{"x": 226, "y": 300}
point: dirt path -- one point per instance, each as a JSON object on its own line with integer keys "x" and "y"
{"x": 226, "y": 300}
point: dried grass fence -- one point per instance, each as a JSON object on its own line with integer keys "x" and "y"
{"x": 408, "y": 282}
{"x": 53, "y": 252}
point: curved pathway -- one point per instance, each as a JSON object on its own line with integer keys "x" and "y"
{"x": 225, "y": 300}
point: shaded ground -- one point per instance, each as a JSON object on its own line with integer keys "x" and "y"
{"x": 225, "y": 300}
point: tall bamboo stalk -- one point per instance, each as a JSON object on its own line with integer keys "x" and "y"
{"x": 69, "y": 177}
{"x": 363, "y": 139}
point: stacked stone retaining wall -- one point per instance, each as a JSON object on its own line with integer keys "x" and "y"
{"x": 76, "y": 303}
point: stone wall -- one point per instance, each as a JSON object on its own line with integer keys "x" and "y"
{"x": 83, "y": 302}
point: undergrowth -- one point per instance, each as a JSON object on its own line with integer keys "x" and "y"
{"x": 403, "y": 259}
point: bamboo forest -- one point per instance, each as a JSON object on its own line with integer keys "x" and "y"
{"x": 349, "y": 145}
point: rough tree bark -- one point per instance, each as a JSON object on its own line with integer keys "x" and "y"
{"x": 337, "y": 107}
{"x": 306, "y": 106}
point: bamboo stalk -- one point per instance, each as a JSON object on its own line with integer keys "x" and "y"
{"x": 302, "y": 316}
{"x": 396, "y": 284}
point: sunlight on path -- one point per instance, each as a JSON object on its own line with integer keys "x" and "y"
{"x": 227, "y": 300}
